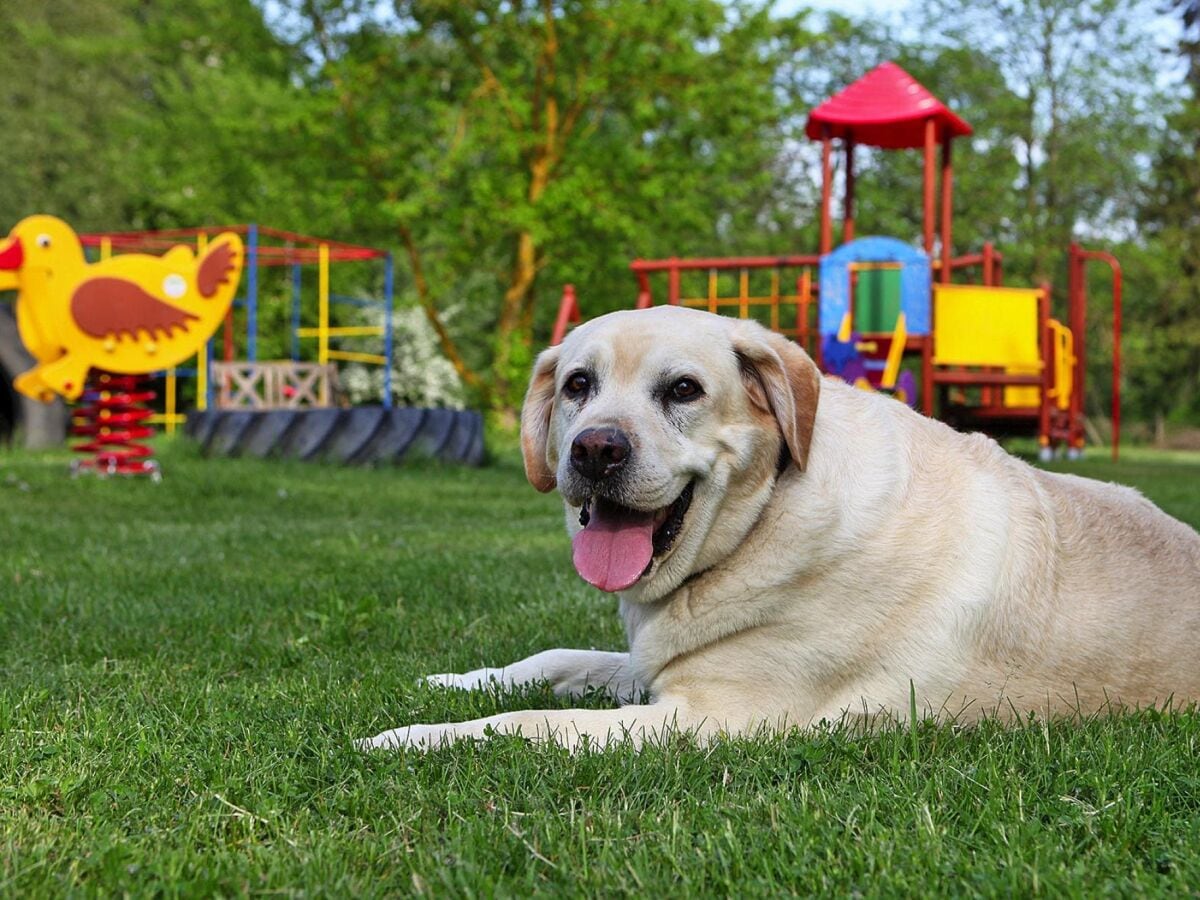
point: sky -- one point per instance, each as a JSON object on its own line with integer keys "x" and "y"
{"x": 852, "y": 8}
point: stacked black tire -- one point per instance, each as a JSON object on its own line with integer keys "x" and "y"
{"x": 361, "y": 435}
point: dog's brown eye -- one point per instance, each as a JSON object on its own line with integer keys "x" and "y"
{"x": 686, "y": 389}
{"x": 577, "y": 385}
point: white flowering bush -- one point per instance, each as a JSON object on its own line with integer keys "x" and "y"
{"x": 421, "y": 375}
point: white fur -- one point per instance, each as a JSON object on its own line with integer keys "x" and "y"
{"x": 906, "y": 557}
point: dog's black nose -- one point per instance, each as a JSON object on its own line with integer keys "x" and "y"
{"x": 597, "y": 453}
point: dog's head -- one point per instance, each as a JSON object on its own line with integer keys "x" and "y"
{"x": 664, "y": 430}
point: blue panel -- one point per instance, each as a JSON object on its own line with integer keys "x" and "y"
{"x": 915, "y": 281}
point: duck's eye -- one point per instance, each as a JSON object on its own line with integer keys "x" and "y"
{"x": 577, "y": 385}
{"x": 686, "y": 389}
{"x": 43, "y": 240}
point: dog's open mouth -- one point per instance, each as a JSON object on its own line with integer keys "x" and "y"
{"x": 618, "y": 545}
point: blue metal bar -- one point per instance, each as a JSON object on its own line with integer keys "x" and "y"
{"x": 388, "y": 285}
{"x": 208, "y": 381}
{"x": 252, "y": 293}
{"x": 295, "y": 311}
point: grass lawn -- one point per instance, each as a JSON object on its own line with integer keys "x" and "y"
{"x": 185, "y": 665}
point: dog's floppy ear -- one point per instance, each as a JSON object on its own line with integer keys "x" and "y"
{"x": 535, "y": 421}
{"x": 782, "y": 380}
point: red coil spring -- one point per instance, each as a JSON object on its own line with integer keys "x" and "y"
{"x": 112, "y": 412}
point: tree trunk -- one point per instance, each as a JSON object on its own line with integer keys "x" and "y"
{"x": 40, "y": 425}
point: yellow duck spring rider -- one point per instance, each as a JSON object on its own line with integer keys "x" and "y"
{"x": 131, "y": 314}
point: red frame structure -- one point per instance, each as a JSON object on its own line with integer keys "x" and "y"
{"x": 289, "y": 248}
{"x": 887, "y": 108}
{"x": 270, "y": 247}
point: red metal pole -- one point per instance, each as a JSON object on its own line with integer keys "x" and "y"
{"x": 1047, "y": 366}
{"x": 228, "y": 336}
{"x": 568, "y": 314}
{"x": 988, "y": 263}
{"x": 673, "y": 284}
{"x": 930, "y": 143}
{"x": 1077, "y": 320}
{"x": 848, "y": 209}
{"x": 644, "y": 298}
{"x": 826, "y": 242}
{"x": 947, "y": 207}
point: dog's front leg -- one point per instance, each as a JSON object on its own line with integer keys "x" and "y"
{"x": 566, "y": 727}
{"x": 568, "y": 672}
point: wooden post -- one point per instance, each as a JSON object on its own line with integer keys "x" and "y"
{"x": 848, "y": 209}
{"x": 826, "y": 243}
{"x": 930, "y": 144}
{"x": 947, "y": 206}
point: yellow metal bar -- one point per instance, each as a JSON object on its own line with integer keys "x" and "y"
{"x": 712, "y": 290}
{"x": 1064, "y": 363}
{"x": 353, "y": 356}
{"x": 170, "y": 417}
{"x": 891, "y": 369}
{"x": 791, "y": 299}
{"x": 743, "y": 294}
{"x": 873, "y": 266}
{"x": 343, "y": 331}
{"x": 105, "y": 247}
{"x": 169, "y": 421}
{"x": 202, "y": 378}
{"x": 323, "y": 308}
{"x": 843, "y": 333}
{"x": 202, "y": 356}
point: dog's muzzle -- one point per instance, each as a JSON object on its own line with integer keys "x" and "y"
{"x": 598, "y": 453}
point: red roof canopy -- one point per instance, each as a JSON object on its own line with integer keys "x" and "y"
{"x": 275, "y": 247}
{"x": 886, "y": 108}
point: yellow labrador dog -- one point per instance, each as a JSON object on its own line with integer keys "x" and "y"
{"x": 788, "y": 549}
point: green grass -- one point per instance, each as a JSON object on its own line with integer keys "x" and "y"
{"x": 185, "y": 665}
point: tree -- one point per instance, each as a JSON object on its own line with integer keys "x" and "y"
{"x": 144, "y": 113}
{"x": 511, "y": 145}
{"x": 1166, "y": 346}
{"x": 1088, "y": 107}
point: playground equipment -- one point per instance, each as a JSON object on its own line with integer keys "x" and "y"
{"x": 288, "y": 408}
{"x": 119, "y": 318}
{"x": 267, "y": 249}
{"x": 888, "y": 316}
{"x": 262, "y": 407}
{"x": 129, "y": 315}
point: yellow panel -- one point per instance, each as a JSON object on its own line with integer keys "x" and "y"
{"x": 986, "y": 326}
{"x": 1022, "y": 396}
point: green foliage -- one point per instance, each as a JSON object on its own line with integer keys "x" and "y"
{"x": 1167, "y": 343}
{"x": 503, "y": 149}
{"x": 185, "y": 665}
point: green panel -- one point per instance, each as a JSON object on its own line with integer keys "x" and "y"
{"x": 877, "y": 300}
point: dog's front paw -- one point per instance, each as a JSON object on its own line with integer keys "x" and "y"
{"x": 468, "y": 681}
{"x": 410, "y": 737}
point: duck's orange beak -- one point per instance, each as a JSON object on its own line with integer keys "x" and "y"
{"x": 12, "y": 255}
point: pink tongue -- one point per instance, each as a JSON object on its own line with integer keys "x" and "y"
{"x": 614, "y": 549}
